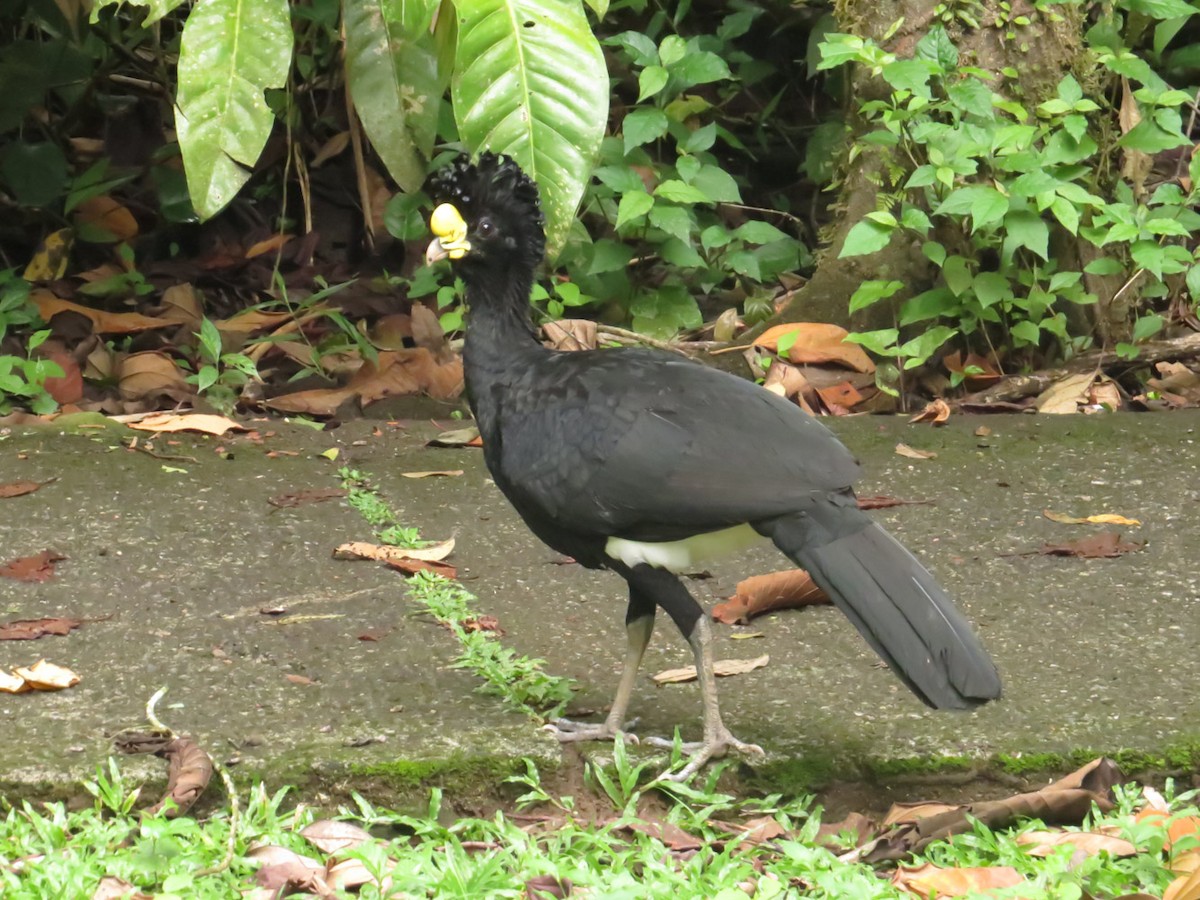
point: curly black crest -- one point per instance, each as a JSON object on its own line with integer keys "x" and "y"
{"x": 493, "y": 183}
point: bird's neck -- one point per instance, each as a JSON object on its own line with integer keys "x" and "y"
{"x": 500, "y": 332}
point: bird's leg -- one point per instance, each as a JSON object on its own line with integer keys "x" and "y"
{"x": 717, "y": 738}
{"x": 639, "y": 625}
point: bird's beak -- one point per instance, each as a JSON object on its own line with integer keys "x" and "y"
{"x": 450, "y": 235}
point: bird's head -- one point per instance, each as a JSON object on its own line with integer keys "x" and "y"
{"x": 488, "y": 217}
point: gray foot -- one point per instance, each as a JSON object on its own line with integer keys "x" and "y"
{"x": 568, "y": 731}
{"x": 701, "y": 752}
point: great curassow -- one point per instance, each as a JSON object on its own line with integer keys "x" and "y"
{"x": 639, "y": 462}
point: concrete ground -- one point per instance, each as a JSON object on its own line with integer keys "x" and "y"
{"x": 1097, "y": 655}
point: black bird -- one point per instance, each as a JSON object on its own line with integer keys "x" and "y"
{"x": 643, "y": 463}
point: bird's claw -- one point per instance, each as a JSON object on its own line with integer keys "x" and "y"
{"x": 702, "y": 752}
{"x": 569, "y": 731}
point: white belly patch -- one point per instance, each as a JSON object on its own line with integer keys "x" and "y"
{"x": 687, "y": 554}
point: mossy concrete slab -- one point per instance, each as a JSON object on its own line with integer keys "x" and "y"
{"x": 1097, "y": 655}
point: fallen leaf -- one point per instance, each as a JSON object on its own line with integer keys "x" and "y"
{"x": 32, "y": 629}
{"x": 21, "y": 488}
{"x": 722, "y": 668}
{"x": 1066, "y": 395}
{"x": 203, "y": 422}
{"x": 37, "y": 568}
{"x": 149, "y": 374}
{"x": 903, "y": 449}
{"x": 103, "y": 322}
{"x": 331, "y": 836}
{"x": 388, "y": 553}
{"x": 936, "y": 412}
{"x": 982, "y": 431}
{"x": 292, "y": 499}
{"x": 1104, "y": 395}
{"x": 987, "y": 374}
{"x": 839, "y": 398}
{"x": 1186, "y": 887}
{"x": 411, "y": 566}
{"x": 570, "y": 334}
{"x": 274, "y": 242}
{"x": 860, "y": 828}
{"x": 299, "y": 679}
{"x": 1102, "y": 519}
{"x": 353, "y": 873}
{"x": 670, "y": 834}
{"x": 50, "y": 261}
{"x": 12, "y": 684}
{"x": 1106, "y": 545}
{"x": 930, "y": 879}
{"x": 816, "y": 343}
{"x": 1089, "y": 842}
{"x": 67, "y": 388}
{"x": 436, "y": 473}
{"x": 542, "y": 886}
{"x": 112, "y": 888}
{"x": 189, "y": 770}
{"x": 746, "y": 635}
{"x": 902, "y": 813}
{"x": 103, "y": 220}
{"x": 46, "y": 676}
{"x": 760, "y": 594}
{"x": 461, "y": 437}
{"x": 880, "y": 501}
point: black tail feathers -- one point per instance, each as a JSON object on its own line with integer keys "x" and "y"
{"x": 897, "y": 606}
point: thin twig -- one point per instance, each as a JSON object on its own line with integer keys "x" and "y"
{"x": 625, "y": 336}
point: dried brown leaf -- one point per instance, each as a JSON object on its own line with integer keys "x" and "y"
{"x": 150, "y": 374}
{"x": 721, "y": 668}
{"x": 765, "y": 593}
{"x": 46, "y": 676}
{"x": 881, "y": 501}
{"x": 37, "y": 568}
{"x": 903, "y": 449}
{"x": 13, "y": 684}
{"x": 862, "y": 829}
{"x": 1066, "y": 395}
{"x": 671, "y": 835}
{"x": 105, "y": 214}
{"x": 570, "y": 334}
{"x": 331, "y": 836}
{"x": 435, "y": 473}
{"x": 542, "y": 887}
{"x": 459, "y": 437}
{"x": 839, "y": 398}
{"x": 902, "y": 813}
{"x": 113, "y": 888}
{"x": 189, "y": 770}
{"x": 1101, "y": 519}
{"x": 202, "y": 422}
{"x": 410, "y": 566}
{"x": 21, "y": 488}
{"x": 936, "y": 412}
{"x": 1186, "y": 887}
{"x": 1106, "y": 545}
{"x": 103, "y": 322}
{"x": 1044, "y": 842}
{"x": 816, "y": 343}
{"x": 32, "y": 629}
{"x": 390, "y": 554}
{"x": 930, "y": 879}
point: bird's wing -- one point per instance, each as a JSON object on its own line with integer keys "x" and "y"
{"x": 638, "y": 445}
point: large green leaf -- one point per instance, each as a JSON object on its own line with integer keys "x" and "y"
{"x": 230, "y": 53}
{"x": 392, "y": 70}
{"x": 530, "y": 81}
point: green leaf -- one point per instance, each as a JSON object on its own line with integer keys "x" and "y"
{"x": 715, "y": 236}
{"x": 643, "y": 126}
{"x": 672, "y": 49}
{"x": 882, "y": 342}
{"x": 1104, "y": 266}
{"x": 1149, "y": 137}
{"x": 621, "y": 179}
{"x": 934, "y": 252}
{"x": 599, "y": 7}
{"x": 931, "y": 304}
{"x": 865, "y": 237}
{"x": 717, "y": 184}
{"x": 229, "y": 54}
{"x": 1066, "y": 213}
{"x": 910, "y": 75}
{"x": 1036, "y": 182}
{"x": 680, "y": 253}
{"x": 1026, "y": 332}
{"x": 988, "y": 207}
{"x": 1193, "y": 283}
{"x": 920, "y": 348}
{"x": 674, "y": 220}
{"x": 1160, "y": 9}
{"x": 35, "y": 172}
{"x": 937, "y": 46}
{"x": 870, "y": 292}
{"x": 1148, "y": 326}
{"x": 609, "y": 256}
{"x": 632, "y": 207}
{"x": 1025, "y": 229}
{"x": 699, "y": 68}
{"x": 651, "y": 80}
{"x": 664, "y": 311}
{"x": 972, "y": 96}
{"x": 958, "y": 275}
{"x": 990, "y": 288}
{"x": 755, "y": 232}
{"x": 530, "y": 81}
{"x": 700, "y": 139}
{"x": 680, "y": 192}
{"x": 392, "y": 72}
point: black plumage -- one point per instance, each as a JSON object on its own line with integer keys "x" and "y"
{"x": 637, "y": 461}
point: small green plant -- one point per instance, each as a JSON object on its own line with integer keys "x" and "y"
{"x": 521, "y": 681}
{"x": 985, "y": 185}
{"x": 220, "y": 376}
{"x": 23, "y": 378}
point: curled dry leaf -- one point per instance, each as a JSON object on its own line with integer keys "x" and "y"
{"x": 1066, "y": 395}
{"x": 12, "y": 684}
{"x": 46, "y": 676}
{"x": 435, "y": 473}
{"x": 906, "y": 813}
{"x": 541, "y": 887}
{"x": 286, "y": 878}
{"x": 1186, "y": 887}
{"x": 859, "y": 828}
{"x": 570, "y": 334}
{"x": 722, "y": 668}
{"x": 32, "y": 629}
{"x": 459, "y": 437}
{"x": 766, "y": 593}
{"x": 816, "y": 343}
{"x": 103, "y": 322}
{"x": 1101, "y": 519}
{"x": 353, "y": 873}
{"x": 21, "y": 488}
{"x": 1044, "y": 842}
{"x": 903, "y": 449}
{"x": 882, "y": 501}
{"x": 189, "y": 770}
{"x": 839, "y": 398}
{"x": 331, "y": 836}
{"x": 170, "y": 422}
{"x": 113, "y": 888}
{"x": 930, "y": 880}
{"x": 150, "y": 373}
{"x": 389, "y": 554}
{"x": 103, "y": 217}
{"x": 936, "y": 412}
{"x": 274, "y": 855}
{"x": 37, "y": 568}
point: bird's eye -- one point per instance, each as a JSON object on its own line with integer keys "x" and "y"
{"x": 486, "y": 227}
